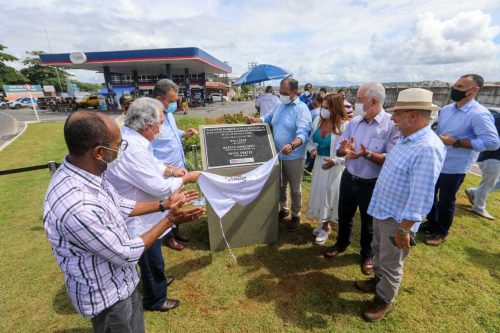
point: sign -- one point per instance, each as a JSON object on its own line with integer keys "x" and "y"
{"x": 78, "y": 58}
{"x": 237, "y": 145}
{"x": 49, "y": 89}
{"x": 22, "y": 88}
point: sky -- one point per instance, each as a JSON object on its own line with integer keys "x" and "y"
{"x": 327, "y": 42}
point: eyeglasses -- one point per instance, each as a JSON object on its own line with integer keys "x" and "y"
{"x": 121, "y": 147}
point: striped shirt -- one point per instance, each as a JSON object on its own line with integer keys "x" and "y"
{"x": 84, "y": 222}
{"x": 405, "y": 187}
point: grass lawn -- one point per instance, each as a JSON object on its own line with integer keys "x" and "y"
{"x": 286, "y": 286}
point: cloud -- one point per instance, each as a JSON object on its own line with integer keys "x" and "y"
{"x": 332, "y": 42}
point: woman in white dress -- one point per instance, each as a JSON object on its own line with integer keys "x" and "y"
{"x": 324, "y": 196}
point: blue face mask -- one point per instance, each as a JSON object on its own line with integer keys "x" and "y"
{"x": 172, "y": 107}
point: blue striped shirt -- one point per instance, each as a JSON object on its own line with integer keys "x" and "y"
{"x": 405, "y": 187}
{"x": 83, "y": 218}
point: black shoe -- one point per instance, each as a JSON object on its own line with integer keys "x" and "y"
{"x": 283, "y": 213}
{"x": 294, "y": 223}
{"x": 169, "y": 304}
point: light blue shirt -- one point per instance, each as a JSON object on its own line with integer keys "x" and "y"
{"x": 379, "y": 136}
{"x": 471, "y": 122}
{"x": 168, "y": 146}
{"x": 405, "y": 187}
{"x": 290, "y": 121}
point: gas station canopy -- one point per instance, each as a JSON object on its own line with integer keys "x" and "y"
{"x": 148, "y": 62}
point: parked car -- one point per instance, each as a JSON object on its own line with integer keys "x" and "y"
{"x": 45, "y": 102}
{"x": 23, "y": 102}
{"x": 3, "y": 105}
{"x": 88, "y": 101}
{"x": 215, "y": 97}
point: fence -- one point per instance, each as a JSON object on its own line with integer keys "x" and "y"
{"x": 52, "y": 166}
{"x": 488, "y": 96}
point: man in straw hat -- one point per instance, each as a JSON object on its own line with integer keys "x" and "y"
{"x": 402, "y": 196}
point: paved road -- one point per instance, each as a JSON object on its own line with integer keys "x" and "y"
{"x": 12, "y": 121}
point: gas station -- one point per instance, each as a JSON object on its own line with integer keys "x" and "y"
{"x": 137, "y": 71}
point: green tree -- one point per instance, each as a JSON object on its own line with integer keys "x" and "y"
{"x": 9, "y": 75}
{"x": 85, "y": 86}
{"x": 44, "y": 75}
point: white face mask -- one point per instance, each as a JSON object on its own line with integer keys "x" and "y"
{"x": 285, "y": 99}
{"x": 358, "y": 108}
{"x": 307, "y": 93}
{"x": 155, "y": 135}
{"x": 324, "y": 113}
{"x": 113, "y": 163}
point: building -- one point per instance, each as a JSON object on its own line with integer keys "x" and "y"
{"x": 137, "y": 71}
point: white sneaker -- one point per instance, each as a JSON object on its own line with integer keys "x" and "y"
{"x": 322, "y": 237}
{"x": 483, "y": 213}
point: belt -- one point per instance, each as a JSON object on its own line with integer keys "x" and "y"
{"x": 356, "y": 179}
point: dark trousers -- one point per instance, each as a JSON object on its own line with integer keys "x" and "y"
{"x": 354, "y": 194}
{"x": 154, "y": 283}
{"x": 122, "y": 317}
{"x": 443, "y": 209}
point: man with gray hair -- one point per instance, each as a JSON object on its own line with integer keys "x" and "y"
{"x": 167, "y": 147}
{"x": 365, "y": 141}
{"x": 140, "y": 176}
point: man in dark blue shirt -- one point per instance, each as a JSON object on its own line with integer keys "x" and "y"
{"x": 307, "y": 96}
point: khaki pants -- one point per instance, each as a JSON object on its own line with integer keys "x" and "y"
{"x": 389, "y": 260}
{"x": 291, "y": 172}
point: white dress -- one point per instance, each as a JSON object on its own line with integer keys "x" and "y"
{"x": 324, "y": 195}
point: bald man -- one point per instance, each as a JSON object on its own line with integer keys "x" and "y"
{"x": 84, "y": 222}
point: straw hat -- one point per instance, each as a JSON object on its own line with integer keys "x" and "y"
{"x": 414, "y": 99}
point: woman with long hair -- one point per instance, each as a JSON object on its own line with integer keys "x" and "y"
{"x": 324, "y": 195}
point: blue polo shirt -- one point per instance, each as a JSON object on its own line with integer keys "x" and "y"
{"x": 290, "y": 121}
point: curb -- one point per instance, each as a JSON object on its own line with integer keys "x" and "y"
{"x": 2, "y": 147}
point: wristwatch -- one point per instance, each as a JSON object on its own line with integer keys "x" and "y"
{"x": 293, "y": 146}
{"x": 162, "y": 208}
{"x": 368, "y": 155}
{"x": 457, "y": 144}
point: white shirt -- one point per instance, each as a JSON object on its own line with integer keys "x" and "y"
{"x": 266, "y": 102}
{"x": 139, "y": 176}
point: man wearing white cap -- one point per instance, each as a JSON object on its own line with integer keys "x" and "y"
{"x": 402, "y": 196}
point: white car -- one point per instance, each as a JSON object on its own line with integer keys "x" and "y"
{"x": 216, "y": 97}
{"x": 23, "y": 102}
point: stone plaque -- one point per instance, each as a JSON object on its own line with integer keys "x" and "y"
{"x": 232, "y": 150}
{"x": 236, "y": 145}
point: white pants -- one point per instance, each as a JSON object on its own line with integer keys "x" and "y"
{"x": 490, "y": 170}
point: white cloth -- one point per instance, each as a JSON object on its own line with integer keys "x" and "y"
{"x": 139, "y": 176}
{"x": 224, "y": 192}
{"x": 324, "y": 195}
{"x": 266, "y": 102}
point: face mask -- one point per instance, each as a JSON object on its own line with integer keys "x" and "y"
{"x": 172, "y": 107}
{"x": 307, "y": 93}
{"x": 358, "y": 108}
{"x": 155, "y": 135}
{"x": 285, "y": 99}
{"x": 113, "y": 163}
{"x": 457, "y": 95}
{"x": 324, "y": 113}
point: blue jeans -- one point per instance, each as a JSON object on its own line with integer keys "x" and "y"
{"x": 154, "y": 283}
{"x": 443, "y": 209}
{"x": 354, "y": 194}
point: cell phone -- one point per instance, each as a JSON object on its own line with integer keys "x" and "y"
{"x": 412, "y": 240}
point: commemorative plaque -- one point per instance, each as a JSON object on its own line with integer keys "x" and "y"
{"x": 232, "y": 150}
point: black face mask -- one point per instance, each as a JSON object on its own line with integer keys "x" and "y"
{"x": 457, "y": 95}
